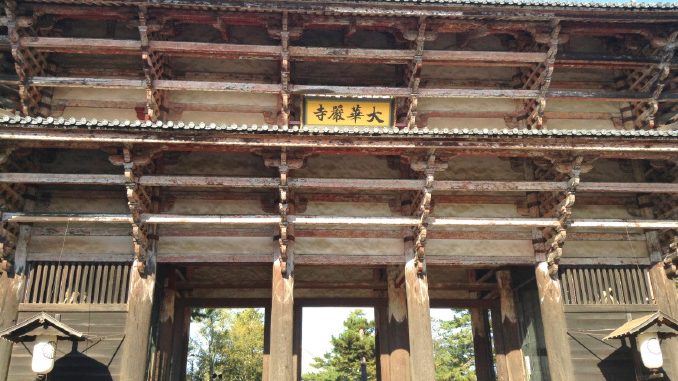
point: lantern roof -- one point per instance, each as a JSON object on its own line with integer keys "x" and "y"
{"x": 41, "y": 324}
{"x": 657, "y": 322}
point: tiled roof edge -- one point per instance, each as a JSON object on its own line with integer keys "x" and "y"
{"x": 545, "y": 3}
{"x": 9, "y": 121}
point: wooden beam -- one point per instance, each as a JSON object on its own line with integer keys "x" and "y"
{"x": 502, "y": 372}
{"x": 422, "y": 366}
{"x": 261, "y": 88}
{"x": 336, "y": 183}
{"x": 555, "y": 327}
{"x": 154, "y": 218}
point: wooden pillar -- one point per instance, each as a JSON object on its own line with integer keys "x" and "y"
{"x": 510, "y": 328}
{"x": 267, "y": 344}
{"x": 182, "y": 328}
{"x": 502, "y": 372}
{"x": 397, "y": 327}
{"x": 482, "y": 347}
{"x": 296, "y": 349}
{"x": 422, "y": 366}
{"x": 138, "y": 325}
{"x": 12, "y": 287}
{"x": 281, "y": 361}
{"x": 381, "y": 342}
{"x": 555, "y": 327}
{"x": 166, "y": 332}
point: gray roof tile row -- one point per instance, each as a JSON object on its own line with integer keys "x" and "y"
{"x": 127, "y": 125}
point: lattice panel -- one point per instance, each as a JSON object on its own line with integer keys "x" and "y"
{"x": 606, "y": 285}
{"x": 78, "y": 283}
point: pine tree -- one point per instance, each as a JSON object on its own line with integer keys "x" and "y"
{"x": 453, "y": 348}
{"x": 353, "y": 346}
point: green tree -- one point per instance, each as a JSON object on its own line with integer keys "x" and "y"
{"x": 453, "y": 348}
{"x": 227, "y": 342}
{"x": 353, "y": 346}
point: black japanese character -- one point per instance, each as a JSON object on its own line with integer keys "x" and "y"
{"x": 320, "y": 112}
{"x": 374, "y": 115}
{"x": 355, "y": 114}
{"x": 337, "y": 113}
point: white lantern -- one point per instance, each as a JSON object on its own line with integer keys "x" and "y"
{"x": 650, "y": 350}
{"x": 44, "y": 352}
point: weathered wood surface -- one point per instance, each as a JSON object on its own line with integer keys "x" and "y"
{"x": 555, "y": 327}
{"x": 151, "y": 218}
{"x": 281, "y": 359}
{"x": 336, "y": 183}
{"x": 511, "y": 338}
{"x": 99, "y": 358}
{"x": 137, "y": 328}
{"x": 666, "y": 298}
{"x": 500, "y": 362}
{"x": 422, "y": 366}
{"x": 482, "y": 345}
{"x": 597, "y": 360}
{"x": 397, "y": 337}
{"x": 517, "y": 146}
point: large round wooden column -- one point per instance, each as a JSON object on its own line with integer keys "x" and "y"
{"x": 555, "y": 326}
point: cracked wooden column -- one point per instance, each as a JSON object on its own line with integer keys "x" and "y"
{"x": 135, "y": 347}
{"x": 662, "y": 248}
{"x": 548, "y": 245}
{"x": 14, "y": 240}
{"x": 281, "y": 365}
{"x": 422, "y": 366}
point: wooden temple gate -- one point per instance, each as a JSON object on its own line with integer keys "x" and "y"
{"x": 515, "y": 160}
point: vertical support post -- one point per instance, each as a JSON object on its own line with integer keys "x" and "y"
{"x": 382, "y": 344}
{"x": 138, "y": 324}
{"x": 281, "y": 361}
{"x": 482, "y": 348}
{"x": 12, "y": 287}
{"x": 499, "y": 348}
{"x": 555, "y": 326}
{"x": 397, "y": 326}
{"x": 166, "y": 331}
{"x": 296, "y": 350}
{"x": 422, "y": 366}
{"x": 265, "y": 371}
{"x": 510, "y": 328}
{"x": 180, "y": 346}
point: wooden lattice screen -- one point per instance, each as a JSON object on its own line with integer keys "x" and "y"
{"x": 606, "y": 285}
{"x": 77, "y": 283}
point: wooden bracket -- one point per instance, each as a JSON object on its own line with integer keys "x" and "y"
{"x": 139, "y": 200}
{"x": 413, "y": 74}
{"x": 13, "y": 197}
{"x": 154, "y": 69}
{"x": 423, "y": 211}
{"x": 285, "y": 71}
{"x": 539, "y": 78}
{"x": 555, "y": 236}
{"x": 27, "y": 63}
{"x": 653, "y": 79}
